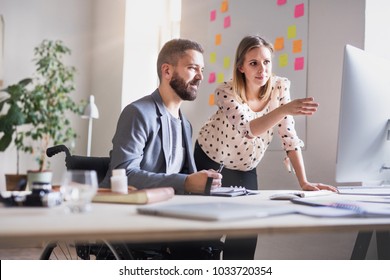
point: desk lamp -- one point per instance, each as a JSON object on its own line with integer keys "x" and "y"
{"x": 90, "y": 112}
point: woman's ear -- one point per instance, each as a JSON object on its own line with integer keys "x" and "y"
{"x": 240, "y": 69}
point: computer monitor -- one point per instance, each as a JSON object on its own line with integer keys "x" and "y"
{"x": 363, "y": 151}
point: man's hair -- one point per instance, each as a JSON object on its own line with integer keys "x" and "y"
{"x": 173, "y": 50}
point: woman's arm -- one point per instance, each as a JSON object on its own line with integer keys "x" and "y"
{"x": 297, "y": 163}
{"x": 304, "y": 106}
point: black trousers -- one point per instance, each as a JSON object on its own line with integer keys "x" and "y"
{"x": 234, "y": 248}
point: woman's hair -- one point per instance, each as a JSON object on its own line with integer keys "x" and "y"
{"x": 248, "y": 43}
{"x": 173, "y": 50}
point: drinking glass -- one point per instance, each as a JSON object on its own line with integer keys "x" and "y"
{"x": 78, "y": 188}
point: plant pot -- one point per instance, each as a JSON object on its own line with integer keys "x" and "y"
{"x": 15, "y": 182}
{"x": 38, "y": 178}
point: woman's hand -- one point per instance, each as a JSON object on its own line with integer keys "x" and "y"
{"x": 317, "y": 186}
{"x": 303, "y": 106}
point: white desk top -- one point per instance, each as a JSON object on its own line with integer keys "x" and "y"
{"x": 121, "y": 222}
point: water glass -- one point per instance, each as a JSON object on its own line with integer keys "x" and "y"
{"x": 78, "y": 188}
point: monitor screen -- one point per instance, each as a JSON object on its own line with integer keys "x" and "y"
{"x": 363, "y": 150}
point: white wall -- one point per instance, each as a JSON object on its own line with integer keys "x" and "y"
{"x": 94, "y": 31}
{"x": 107, "y": 53}
{"x": 27, "y": 23}
{"x": 377, "y": 39}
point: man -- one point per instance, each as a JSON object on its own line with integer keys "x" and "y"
{"x": 153, "y": 139}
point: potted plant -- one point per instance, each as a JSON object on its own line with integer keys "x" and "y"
{"x": 46, "y": 103}
{"x": 11, "y": 102}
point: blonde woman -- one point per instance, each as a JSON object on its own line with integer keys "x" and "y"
{"x": 239, "y": 133}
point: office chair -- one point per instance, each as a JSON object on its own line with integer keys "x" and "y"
{"x": 103, "y": 250}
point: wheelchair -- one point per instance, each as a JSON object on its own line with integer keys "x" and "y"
{"x": 104, "y": 250}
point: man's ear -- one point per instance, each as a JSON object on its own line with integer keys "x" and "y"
{"x": 166, "y": 71}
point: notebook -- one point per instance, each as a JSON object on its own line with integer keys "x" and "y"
{"x": 214, "y": 211}
{"x": 344, "y": 207}
{"x": 232, "y": 191}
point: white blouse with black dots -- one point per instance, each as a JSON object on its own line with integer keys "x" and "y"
{"x": 226, "y": 136}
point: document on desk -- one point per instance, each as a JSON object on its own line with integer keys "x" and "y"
{"x": 337, "y": 207}
{"x": 364, "y": 190}
{"x": 215, "y": 211}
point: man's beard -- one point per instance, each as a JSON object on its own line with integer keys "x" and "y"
{"x": 183, "y": 89}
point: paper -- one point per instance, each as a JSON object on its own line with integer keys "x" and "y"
{"x": 361, "y": 190}
{"x": 346, "y": 207}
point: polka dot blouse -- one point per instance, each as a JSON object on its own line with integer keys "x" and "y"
{"x": 226, "y": 136}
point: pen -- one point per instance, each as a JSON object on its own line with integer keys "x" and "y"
{"x": 220, "y": 168}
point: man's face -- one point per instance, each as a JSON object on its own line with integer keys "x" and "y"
{"x": 187, "y": 75}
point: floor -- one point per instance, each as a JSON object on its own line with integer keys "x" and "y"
{"x": 20, "y": 253}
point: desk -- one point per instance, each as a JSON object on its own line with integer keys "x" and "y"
{"x": 121, "y": 222}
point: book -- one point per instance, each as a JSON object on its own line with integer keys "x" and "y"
{"x": 144, "y": 196}
{"x": 232, "y": 191}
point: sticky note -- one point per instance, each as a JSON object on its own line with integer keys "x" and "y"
{"x": 213, "y": 15}
{"x": 292, "y": 31}
{"x": 299, "y": 63}
{"x": 297, "y": 46}
{"x": 224, "y": 6}
{"x": 281, "y": 2}
{"x": 213, "y": 57}
{"x": 212, "y": 77}
{"x": 226, "y": 62}
{"x": 279, "y": 44}
{"x": 218, "y": 39}
{"x": 211, "y": 99}
{"x": 283, "y": 60}
{"x": 220, "y": 78}
{"x": 299, "y": 10}
{"x": 226, "y": 22}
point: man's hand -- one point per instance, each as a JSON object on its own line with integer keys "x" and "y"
{"x": 196, "y": 182}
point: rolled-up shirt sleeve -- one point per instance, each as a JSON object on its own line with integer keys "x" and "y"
{"x": 286, "y": 128}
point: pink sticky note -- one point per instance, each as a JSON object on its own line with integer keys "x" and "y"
{"x": 213, "y": 15}
{"x": 299, "y": 63}
{"x": 212, "y": 77}
{"x": 299, "y": 10}
{"x": 226, "y": 22}
{"x": 281, "y": 2}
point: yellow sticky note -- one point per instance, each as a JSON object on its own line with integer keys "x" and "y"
{"x": 224, "y": 6}
{"x": 220, "y": 78}
{"x": 283, "y": 60}
{"x": 292, "y": 31}
{"x": 213, "y": 57}
{"x": 226, "y": 62}
{"x": 211, "y": 99}
{"x": 218, "y": 39}
{"x": 279, "y": 44}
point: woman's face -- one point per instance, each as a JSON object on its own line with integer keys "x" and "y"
{"x": 257, "y": 66}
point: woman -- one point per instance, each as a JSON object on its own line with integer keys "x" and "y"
{"x": 239, "y": 133}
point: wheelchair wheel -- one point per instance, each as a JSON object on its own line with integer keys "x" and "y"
{"x": 100, "y": 250}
